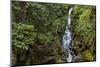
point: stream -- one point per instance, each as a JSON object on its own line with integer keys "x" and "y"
{"x": 67, "y": 38}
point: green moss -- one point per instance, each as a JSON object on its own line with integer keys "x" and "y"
{"x": 88, "y": 55}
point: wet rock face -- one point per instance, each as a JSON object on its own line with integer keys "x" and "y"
{"x": 41, "y": 54}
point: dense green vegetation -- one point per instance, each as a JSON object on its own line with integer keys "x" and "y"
{"x": 37, "y": 30}
{"x": 85, "y": 31}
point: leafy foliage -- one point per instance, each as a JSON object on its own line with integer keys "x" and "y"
{"x": 37, "y": 30}
{"x": 84, "y": 30}
{"x": 23, "y": 35}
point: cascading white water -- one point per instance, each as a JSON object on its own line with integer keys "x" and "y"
{"x": 67, "y": 38}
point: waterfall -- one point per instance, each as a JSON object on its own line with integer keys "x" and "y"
{"x": 67, "y": 38}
